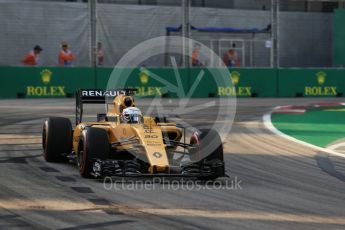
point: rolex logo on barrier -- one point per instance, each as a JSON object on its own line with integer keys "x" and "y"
{"x": 46, "y": 75}
{"x": 245, "y": 91}
{"x": 143, "y": 90}
{"x": 45, "y": 90}
{"x": 235, "y": 77}
{"x": 321, "y": 89}
{"x": 144, "y": 76}
{"x": 321, "y": 77}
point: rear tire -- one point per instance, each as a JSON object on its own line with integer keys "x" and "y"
{"x": 57, "y": 138}
{"x": 209, "y": 152}
{"x": 94, "y": 144}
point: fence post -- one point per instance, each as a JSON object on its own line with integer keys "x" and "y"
{"x": 275, "y": 33}
{"x": 92, "y": 5}
{"x": 186, "y": 5}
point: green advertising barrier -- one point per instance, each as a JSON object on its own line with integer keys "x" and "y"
{"x": 44, "y": 82}
{"x": 311, "y": 82}
{"x": 153, "y": 81}
{"x": 169, "y": 82}
{"x": 149, "y": 82}
{"x": 251, "y": 83}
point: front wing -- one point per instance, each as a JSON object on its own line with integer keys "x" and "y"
{"x": 130, "y": 168}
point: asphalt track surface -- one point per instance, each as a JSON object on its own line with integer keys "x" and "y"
{"x": 280, "y": 184}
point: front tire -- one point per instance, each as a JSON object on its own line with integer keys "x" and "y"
{"x": 57, "y": 139}
{"x": 94, "y": 144}
{"x": 209, "y": 152}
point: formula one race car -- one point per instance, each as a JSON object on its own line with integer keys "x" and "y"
{"x": 124, "y": 143}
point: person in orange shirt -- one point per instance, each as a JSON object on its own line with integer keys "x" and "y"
{"x": 231, "y": 59}
{"x": 66, "y": 57}
{"x": 31, "y": 59}
{"x": 195, "y": 56}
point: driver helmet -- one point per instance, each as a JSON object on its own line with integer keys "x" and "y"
{"x": 131, "y": 115}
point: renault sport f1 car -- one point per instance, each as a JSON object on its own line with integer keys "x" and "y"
{"x": 123, "y": 142}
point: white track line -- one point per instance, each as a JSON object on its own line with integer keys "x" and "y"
{"x": 268, "y": 123}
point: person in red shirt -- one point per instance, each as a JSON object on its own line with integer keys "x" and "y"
{"x": 66, "y": 57}
{"x": 100, "y": 54}
{"x": 31, "y": 59}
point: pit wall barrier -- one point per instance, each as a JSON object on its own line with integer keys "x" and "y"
{"x": 54, "y": 82}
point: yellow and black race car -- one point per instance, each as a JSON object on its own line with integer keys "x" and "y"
{"x": 123, "y": 142}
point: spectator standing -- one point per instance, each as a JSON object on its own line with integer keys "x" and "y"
{"x": 66, "y": 57}
{"x": 196, "y": 55}
{"x": 230, "y": 58}
{"x": 100, "y": 54}
{"x": 32, "y": 58}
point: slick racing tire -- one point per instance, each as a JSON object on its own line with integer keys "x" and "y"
{"x": 94, "y": 145}
{"x": 206, "y": 140}
{"x": 57, "y": 139}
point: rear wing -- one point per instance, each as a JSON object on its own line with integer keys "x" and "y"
{"x": 96, "y": 96}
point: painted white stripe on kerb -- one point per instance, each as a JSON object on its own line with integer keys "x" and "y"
{"x": 268, "y": 123}
{"x": 335, "y": 146}
{"x": 290, "y": 111}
